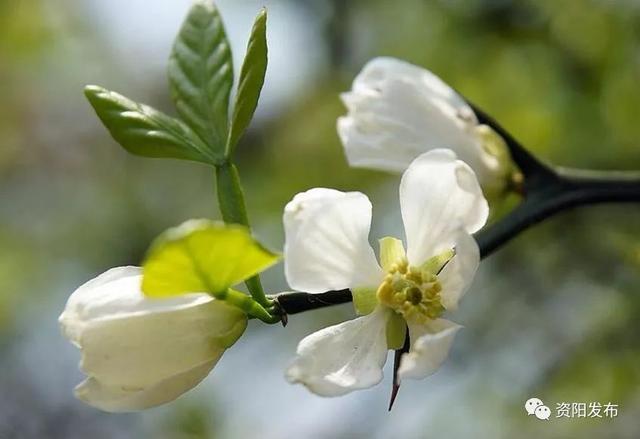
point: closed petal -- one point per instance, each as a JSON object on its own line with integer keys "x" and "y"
{"x": 327, "y": 241}
{"x": 397, "y": 111}
{"x": 438, "y": 195}
{"x": 127, "y": 339}
{"x": 430, "y": 345}
{"x": 457, "y": 275}
{"x": 384, "y": 68}
{"x": 116, "y": 293}
{"x": 342, "y": 358}
{"x": 140, "y": 351}
{"x": 114, "y": 398}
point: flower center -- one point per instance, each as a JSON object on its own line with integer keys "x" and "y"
{"x": 412, "y": 292}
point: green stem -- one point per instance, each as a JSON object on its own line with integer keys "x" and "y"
{"x": 247, "y": 304}
{"x": 231, "y": 195}
{"x": 233, "y": 210}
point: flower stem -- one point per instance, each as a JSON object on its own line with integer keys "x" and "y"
{"x": 233, "y": 210}
{"x": 247, "y": 304}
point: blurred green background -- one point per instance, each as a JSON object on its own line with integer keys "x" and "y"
{"x": 553, "y": 315}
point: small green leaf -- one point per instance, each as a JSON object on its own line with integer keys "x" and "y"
{"x": 436, "y": 263}
{"x": 202, "y": 256}
{"x": 143, "y": 130}
{"x": 396, "y": 331}
{"x": 364, "y": 300}
{"x": 201, "y": 75}
{"x": 391, "y": 252}
{"x": 252, "y": 74}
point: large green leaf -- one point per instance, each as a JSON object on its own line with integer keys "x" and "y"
{"x": 201, "y": 75}
{"x": 202, "y": 256}
{"x": 144, "y": 131}
{"x": 252, "y": 74}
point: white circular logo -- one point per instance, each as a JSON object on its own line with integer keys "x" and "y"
{"x": 543, "y": 412}
{"x": 532, "y": 404}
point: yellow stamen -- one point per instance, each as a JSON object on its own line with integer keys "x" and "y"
{"x": 413, "y": 292}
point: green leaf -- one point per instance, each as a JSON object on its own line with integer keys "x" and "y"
{"x": 252, "y": 74}
{"x": 143, "y": 130}
{"x": 201, "y": 75}
{"x": 202, "y": 256}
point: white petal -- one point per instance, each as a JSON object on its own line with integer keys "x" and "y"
{"x": 438, "y": 195}
{"x": 342, "y": 358}
{"x": 142, "y": 350}
{"x": 430, "y": 345}
{"x": 379, "y": 69}
{"x": 123, "y": 399}
{"x": 398, "y": 111}
{"x": 129, "y": 340}
{"x": 457, "y": 275}
{"x": 326, "y": 241}
{"x": 116, "y": 293}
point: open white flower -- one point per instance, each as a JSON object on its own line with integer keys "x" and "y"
{"x": 139, "y": 352}
{"x": 327, "y": 248}
{"x": 397, "y": 111}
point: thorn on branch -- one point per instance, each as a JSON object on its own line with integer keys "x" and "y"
{"x": 395, "y": 385}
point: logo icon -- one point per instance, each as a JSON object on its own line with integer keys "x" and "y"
{"x": 535, "y": 406}
{"x": 532, "y": 404}
{"x": 543, "y": 412}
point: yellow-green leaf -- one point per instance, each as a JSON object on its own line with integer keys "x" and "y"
{"x": 202, "y": 256}
{"x": 396, "y": 331}
{"x": 436, "y": 263}
{"x": 391, "y": 252}
{"x": 364, "y": 300}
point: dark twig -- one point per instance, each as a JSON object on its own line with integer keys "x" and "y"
{"x": 568, "y": 189}
{"x": 549, "y": 190}
{"x": 293, "y": 303}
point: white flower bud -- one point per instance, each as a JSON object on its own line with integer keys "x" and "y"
{"x": 398, "y": 111}
{"x": 139, "y": 352}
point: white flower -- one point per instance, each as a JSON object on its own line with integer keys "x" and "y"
{"x": 140, "y": 352}
{"x": 397, "y": 111}
{"x": 327, "y": 248}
